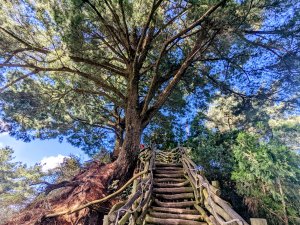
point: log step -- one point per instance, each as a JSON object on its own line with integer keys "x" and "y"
{"x": 155, "y": 220}
{"x": 175, "y": 216}
{"x": 175, "y": 204}
{"x": 167, "y": 179}
{"x": 160, "y": 164}
{"x": 182, "y": 184}
{"x": 168, "y": 171}
{"x": 173, "y": 190}
{"x": 175, "y": 196}
{"x": 175, "y": 210}
{"x": 175, "y": 175}
{"x": 168, "y": 168}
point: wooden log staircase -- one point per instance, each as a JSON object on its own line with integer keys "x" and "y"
{"x": 170, "y": 190}
{"x": 173, "y": 197}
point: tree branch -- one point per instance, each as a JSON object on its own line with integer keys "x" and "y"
{"x": 109, "y": 28}
{"x": 167, "y": 91}
{"x": 97, "y": 80}
{"x": 105, "y": 65}
{"x": 100, "y": 93}
{"x": 139, "y": 50}
{"x": 41, "y": 50}
{"x": 17, "y": 80}
{"x": 189, "y": 28}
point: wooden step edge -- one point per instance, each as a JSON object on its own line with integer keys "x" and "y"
{"x": 154, "y": 220}
{"x": 168, "y": 171}
{"x": 175, "y": 196}
{"x": 168, "y": 179}
{"x": 158, "y": 164}
{"x": 169, "y": 168}
{"x": 172, "y": 175}
{"x": 174, "y": 204}
{"x": 174, "y": 210}
{"x": 181, "y": 184}
{"x": 175, "y": 216}
{"x": 173, "y": 190}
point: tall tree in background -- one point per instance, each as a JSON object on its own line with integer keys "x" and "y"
{"x": 15, "y": 186}
{"x": 81, "y": 68}
{"x": 252, "y": 149}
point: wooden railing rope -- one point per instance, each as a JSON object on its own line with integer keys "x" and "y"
{"x": 207, "y": 195}
{"x": 135, "y": 207}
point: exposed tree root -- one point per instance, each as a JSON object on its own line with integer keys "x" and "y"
{"x": 90, "y": 184}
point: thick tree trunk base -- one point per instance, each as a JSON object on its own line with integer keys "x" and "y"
{"x": 93, "y": 184}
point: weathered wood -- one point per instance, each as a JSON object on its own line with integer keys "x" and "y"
{"x": 175, "y": 204}
{"x": 105, "y": 220}
{"x": 226, "y": 207}
{"x": 178, "y": 180}
{"x": 165, "y": 171}
{"x": 219, "y": 211}
{"x": 216, "y": 191}
{"x": 175, "y": 196}
{"x": 172, "y": 175}
{"x": 173, "y": 190}
{"x": 204, "y": 214}
{"x": 213, "y": 220}
{"x": 172, "y": 221}
{"x": 258, "y": 221}
{"x": 169, "y": 168}
{"x": 217, "y": 218}
{"x": 124, "y": 218}
{"x": 216, "y": 184}
{"x": 147, "y": 197}
{"x": 168, "y": 164}
{"x": 174, "y": 210}
{"x": 175, "y": 216}
{"x": 181, "y": 184}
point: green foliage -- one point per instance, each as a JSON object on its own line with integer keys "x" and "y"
{"x": 163, "y": 131}
{"x": 252, "y": 149}
{"x": 269, "y": 174}
{"x": 21, "y": 185}
{"x": 65, "y": 171}
{"x": 211, "y": 149}
{"x": 16, "y": 181}
{"x": 71, "y": 67}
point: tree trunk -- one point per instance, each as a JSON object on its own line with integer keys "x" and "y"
{"x": 118, "y": 145}
{"x": 129, "y": 152}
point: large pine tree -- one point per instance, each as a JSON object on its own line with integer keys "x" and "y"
{"x": 81, "y": 68}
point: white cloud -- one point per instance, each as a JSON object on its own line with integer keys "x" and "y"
{"x": 4, "y": 134}
{"x": 52, "y": 162}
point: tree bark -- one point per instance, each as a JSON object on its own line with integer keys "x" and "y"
{"x": 118, "y": 145}
{"x": 129, "y": 152}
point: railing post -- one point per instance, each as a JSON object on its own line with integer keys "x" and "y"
{"x": 216, "y": 184}
{"x": 105, "y": 220}
{"x": 258, "y": 221}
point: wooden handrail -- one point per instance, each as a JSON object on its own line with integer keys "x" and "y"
{"x": 208, "y": 196}
{"x": 139, "y": 200}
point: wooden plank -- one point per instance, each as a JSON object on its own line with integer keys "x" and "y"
{"x": 173, "y": 221}
{"x": 258, "y": 221}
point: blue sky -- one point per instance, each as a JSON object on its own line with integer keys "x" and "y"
{"x": 34, "y": 151}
